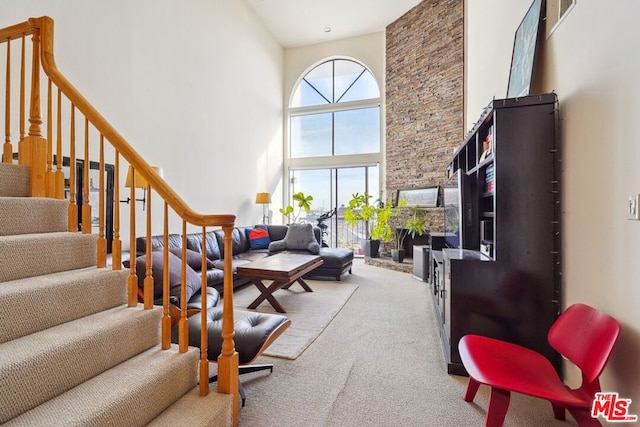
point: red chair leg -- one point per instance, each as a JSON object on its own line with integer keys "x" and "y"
{"x": 472, "y": 389}
{"x": 558, "y": 412}
{"x": 583, "y": 417}
{"x": 498, "y": 405}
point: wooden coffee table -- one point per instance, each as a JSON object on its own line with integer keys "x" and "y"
{"x": 283, "y": 269}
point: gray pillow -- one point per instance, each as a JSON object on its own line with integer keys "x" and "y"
{"x": 194, "y": 259}
{"x": 301, "y": 237}
{"x": 193, "y": 279}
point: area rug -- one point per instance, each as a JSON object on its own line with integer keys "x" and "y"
{"x": 310, "y": 312}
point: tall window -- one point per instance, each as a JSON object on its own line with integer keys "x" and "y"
{"x": 335, "y": 137}
{"x": 334, "y": 111}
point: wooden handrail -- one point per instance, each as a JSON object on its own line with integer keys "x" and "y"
{"x": 39, "y": 156}
{"x": 17, "y": 31}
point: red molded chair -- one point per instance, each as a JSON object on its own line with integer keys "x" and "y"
{"x": 582, "y": 334}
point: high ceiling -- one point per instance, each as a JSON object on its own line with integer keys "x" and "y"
{"x": 302, "y": 22}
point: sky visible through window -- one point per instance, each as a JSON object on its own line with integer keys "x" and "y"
{"x": 339, "y": 133}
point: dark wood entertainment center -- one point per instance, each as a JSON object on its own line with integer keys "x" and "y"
{"x": 500, "y": 274}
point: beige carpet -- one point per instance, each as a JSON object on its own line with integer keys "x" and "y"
{"x": 379, "y": 363}
{"x": 310, "y": 312}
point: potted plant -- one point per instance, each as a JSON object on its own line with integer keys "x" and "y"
{"x": 359, "y": 209}
{"x": 302, "y": 201}
{"x": 382, "y": 230}
{"x": 415, "y": 224}
{"x": 390, "y": 229}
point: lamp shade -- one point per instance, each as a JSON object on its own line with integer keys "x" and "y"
{"x": 140, "y": 181}
{"x": 263, "y": 198}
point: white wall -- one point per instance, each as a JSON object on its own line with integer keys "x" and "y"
{"x": 591, "y": 61}
{"x": 195, "y": 86}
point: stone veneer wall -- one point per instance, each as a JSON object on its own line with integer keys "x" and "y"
{"x": 424, "y": 96}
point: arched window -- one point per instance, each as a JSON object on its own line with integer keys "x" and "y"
{"x": 335, "y": 81}
{"x": 335, "y": 110}
{"x": 334, "y": 144}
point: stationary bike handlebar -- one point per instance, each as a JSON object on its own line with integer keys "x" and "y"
{"x": 327, "y": 214}
{"x": 321, "y": 223}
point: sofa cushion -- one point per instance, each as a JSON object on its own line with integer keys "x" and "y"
{"x": 215, "y": 276}
{"x": 194, "y": 242}
{"x": 157, "y": 242}
{"x": 298, "y": 237}
{"x": 195, "y": 302}
{"x": 277, "y": 232}
{"x": 194, "y": 259}
{"x": 239, "y": 241}
{"x": 193, "y": 279}
{"x": 258, "y": 237}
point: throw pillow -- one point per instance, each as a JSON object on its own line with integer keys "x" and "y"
{"x": 258, "y": 237}
{"x": 300, "y": 236}
{"x": 193, "y": 279}
{"x": 194, "y": 259}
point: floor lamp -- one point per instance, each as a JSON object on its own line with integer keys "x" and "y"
{"x": 264, "y": 199}
{"x": 140, "y": 183}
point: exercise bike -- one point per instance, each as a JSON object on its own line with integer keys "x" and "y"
{"x": 323, "y": 226}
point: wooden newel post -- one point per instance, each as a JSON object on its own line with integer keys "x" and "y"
{"x": 34, "y": 154}
{"x": 228, "y": 359}
{"x": 33, "y": 148}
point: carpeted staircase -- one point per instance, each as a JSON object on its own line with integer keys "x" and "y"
{"x": 71, "y": 351}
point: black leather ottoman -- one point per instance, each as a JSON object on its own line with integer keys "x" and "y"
{"x": 254, "y": 332}
{"x": 252, "y": 329}
{"x": 337, "y": 261}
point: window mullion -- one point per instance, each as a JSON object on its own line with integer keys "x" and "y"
{"x": 316, "y": 90}
{"x": 333, "y": 133}
{"x": 351, "y": 105}
{"x": 351, "y": 85}
{"x": 333, "y": 81}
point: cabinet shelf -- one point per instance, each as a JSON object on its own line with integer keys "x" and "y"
{"x": 486, "y": 162}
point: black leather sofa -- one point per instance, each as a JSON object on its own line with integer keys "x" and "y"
{"x": 337, "y": 261}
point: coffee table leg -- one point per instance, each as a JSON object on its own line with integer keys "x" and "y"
{"x": 304, "y": 285}
{"x": 267, "y": 293}
{"x": 300, "y": 280}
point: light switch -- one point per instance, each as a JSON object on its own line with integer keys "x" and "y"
{"x": 633, "y": 208}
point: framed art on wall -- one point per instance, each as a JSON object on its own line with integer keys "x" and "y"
{"x": 426, "y": 197}
{"x": 525, "y": 46}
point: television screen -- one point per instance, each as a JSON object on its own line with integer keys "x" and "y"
{"x": 451, "y": 200}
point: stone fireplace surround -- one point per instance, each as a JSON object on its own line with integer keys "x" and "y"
{"x": 424, "y": 102}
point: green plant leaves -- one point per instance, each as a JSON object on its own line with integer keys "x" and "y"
{"x": 302, "y": 201}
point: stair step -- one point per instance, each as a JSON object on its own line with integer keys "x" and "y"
{"x": 29, "y": 255}
{"x": 132, "y": 394}
{"x": 40, "y": 366}
{"x": 26, "y": 215}
{"x": 192, "y": 410}
{"x": 14, "y": 180}
{"x": 80, "y": 292}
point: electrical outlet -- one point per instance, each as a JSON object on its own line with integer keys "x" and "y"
{"x": 633, "y": 211}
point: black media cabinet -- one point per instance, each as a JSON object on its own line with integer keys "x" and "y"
{"x": 503, "y": 280}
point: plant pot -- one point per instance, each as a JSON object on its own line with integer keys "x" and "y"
{"x": 397, "y": 255}
{"x": 371, "y": 248}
